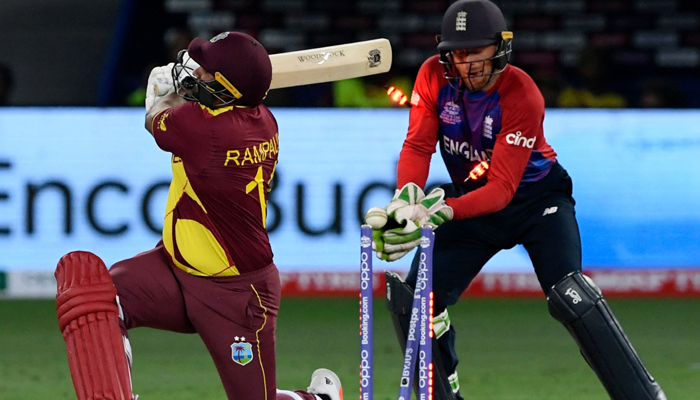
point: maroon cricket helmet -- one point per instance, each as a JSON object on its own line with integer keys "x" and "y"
{"x": 240, "y": 60}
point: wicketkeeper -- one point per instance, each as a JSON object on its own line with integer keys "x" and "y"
{"x": 487, "y": 116}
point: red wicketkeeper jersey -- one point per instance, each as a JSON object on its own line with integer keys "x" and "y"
{"x": 502, "y": 126}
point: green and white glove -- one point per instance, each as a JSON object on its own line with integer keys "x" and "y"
{"x": 409, "y": 195}
{"x": 425, "y": 209}
{"x": 433, "y": 209}
{"x": 392, "y": 242}
{"x": 383, "y": 226}
{"x": 396, "y": 228}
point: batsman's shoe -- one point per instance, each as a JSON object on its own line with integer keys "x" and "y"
{"x": 326, "y": 382}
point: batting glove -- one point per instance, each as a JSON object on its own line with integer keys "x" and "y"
{"x": 162, "y": 80}
{"x": 160, "y": 83}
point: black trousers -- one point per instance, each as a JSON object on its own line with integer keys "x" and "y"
{"x": 541, "y": 217}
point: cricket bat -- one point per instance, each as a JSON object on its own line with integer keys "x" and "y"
{"x": 327, "y": 64}
{"x": 332, "y": 63}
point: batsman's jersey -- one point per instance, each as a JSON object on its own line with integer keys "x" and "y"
{"x": 223, "y": 161}
{"x": 502, "y": 126}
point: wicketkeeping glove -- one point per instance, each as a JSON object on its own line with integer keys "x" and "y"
{"x": 433, "y": 209}
{"x": 409, "y": 195}
{"x": 392, "y": 243}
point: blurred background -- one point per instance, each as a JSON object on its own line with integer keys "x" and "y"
{"x": 621, "y": 82}
{"x": 582, "y": 53}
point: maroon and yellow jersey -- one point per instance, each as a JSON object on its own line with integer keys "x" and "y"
{"x": 223, "y": 161}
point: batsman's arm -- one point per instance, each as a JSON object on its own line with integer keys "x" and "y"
{"x": 168, "y": 101}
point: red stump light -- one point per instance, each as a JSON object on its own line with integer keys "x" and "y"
{"x": 430, "y": 381}
{"x": 430, "y": 319}
{"x": 396, "y": 96}
{"x": 478, "y": 171}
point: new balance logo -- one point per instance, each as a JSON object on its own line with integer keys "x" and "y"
{"x": 518, "y": 140}
{"x": 550, "y": 210}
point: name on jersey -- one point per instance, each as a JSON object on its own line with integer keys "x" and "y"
{"x": 456, "y": 147}
{"x": 254, "y": 154}
{"x": 517, "y": 140}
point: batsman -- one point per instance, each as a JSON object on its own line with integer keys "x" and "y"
{"x": 213, "y": 273}
{"x": 507, "y": 188}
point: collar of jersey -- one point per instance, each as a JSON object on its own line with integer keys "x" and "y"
{"x": 218, "y": 111}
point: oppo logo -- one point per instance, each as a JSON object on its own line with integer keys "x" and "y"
{"x": 516, "y": 139}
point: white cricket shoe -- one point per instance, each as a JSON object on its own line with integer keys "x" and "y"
{"x": 325, "y": 381}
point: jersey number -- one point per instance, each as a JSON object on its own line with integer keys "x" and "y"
{"x": 260, "y": 184}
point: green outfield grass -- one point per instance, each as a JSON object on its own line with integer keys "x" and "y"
{"x": 510, "y": 350}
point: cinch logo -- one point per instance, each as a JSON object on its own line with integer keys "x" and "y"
{"x": 516, "y": 139}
